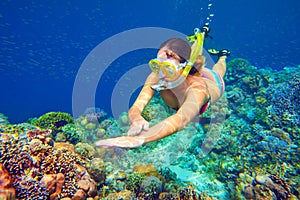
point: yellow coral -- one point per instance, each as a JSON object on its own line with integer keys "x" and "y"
{"x": 148, "y": 170}
{"x": 260, "y": 100}
{"x": 83, "y": 122}
{"x": 91, "y": 126}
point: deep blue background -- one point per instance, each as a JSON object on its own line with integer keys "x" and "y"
{"x": 43, "y": 43}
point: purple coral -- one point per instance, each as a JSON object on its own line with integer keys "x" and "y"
{"x": 94, "y": 115}
{"x": 285, "y": 102}
{"x": 150, "y": 188}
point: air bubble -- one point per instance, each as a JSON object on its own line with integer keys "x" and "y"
{"x": 210, "y": 15}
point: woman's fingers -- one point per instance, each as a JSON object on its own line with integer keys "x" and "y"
{"x": 137, "y": 127}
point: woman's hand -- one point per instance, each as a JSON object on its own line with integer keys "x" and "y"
{"x": 122, "y": 142}
{"x": 138, "y": 126}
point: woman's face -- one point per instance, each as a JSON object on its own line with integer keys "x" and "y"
{"x": 168, "y": 55}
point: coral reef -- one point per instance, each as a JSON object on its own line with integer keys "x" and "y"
{"x": 54, "y": 121}
{"x": 150, "y": 188}
{"x": 237, "y": 69}
{"x": 285, "y": 103}
{"x": 184, "y": 193}
{"x": 40, "y": 171}
{"x": 269, "y": 187}
{"x": 94, "y": 115}
{"x": 3, "y": 119}
{"x": 133, "y": 181}
{"x": 93, "y": 125}
{"x": 97, "y": 170}
{"x": 124, "y": 194}
{"x": 246, "y": 146}
{"x": 85, "y": 150}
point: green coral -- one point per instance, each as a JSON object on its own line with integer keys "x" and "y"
{"x": 133, "y": 181}
{"x": 155, "y": 110}
{"x": 16, "y": 128}
{"x": 72, "y": 133}
{"x": 261, "y": 116}
{"x": 147, "y": 113}
{"x": 3, "y": 119}
{"x": 85, "y": 150}
{"x": 54, "y": 121}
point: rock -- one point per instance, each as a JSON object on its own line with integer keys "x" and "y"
{"x": 79, "y": 195}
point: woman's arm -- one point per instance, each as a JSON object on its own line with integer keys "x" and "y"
{"x": 138, "y": 123}
{"x": 196, "y": 98}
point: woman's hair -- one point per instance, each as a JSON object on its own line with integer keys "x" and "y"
{"x": 179, "y": 47}
{"x": 183, "y": 50}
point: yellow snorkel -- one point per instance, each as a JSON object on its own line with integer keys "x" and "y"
{"x": 198, "y": 39}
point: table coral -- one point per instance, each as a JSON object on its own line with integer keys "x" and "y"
{"x": 40, "y": 171}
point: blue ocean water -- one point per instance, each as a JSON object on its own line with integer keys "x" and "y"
{"x": 43, "y": 43}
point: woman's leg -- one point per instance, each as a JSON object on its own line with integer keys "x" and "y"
{"x": 220, "y": 66}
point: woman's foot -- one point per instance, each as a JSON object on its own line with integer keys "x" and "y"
{"x": 223, "y": 52}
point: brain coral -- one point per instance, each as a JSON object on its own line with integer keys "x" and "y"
{"x": 40, "y": 171}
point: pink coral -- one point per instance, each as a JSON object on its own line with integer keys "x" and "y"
{"x": 6, "y": 189}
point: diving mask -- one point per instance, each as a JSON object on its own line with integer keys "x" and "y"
{"x": 168, "y": 67}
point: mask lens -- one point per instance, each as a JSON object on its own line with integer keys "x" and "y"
{"x": 154, "y": 65}
{"x": 169, "y": 69}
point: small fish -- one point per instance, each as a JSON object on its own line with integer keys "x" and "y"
{"x": 60, "y": 123}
